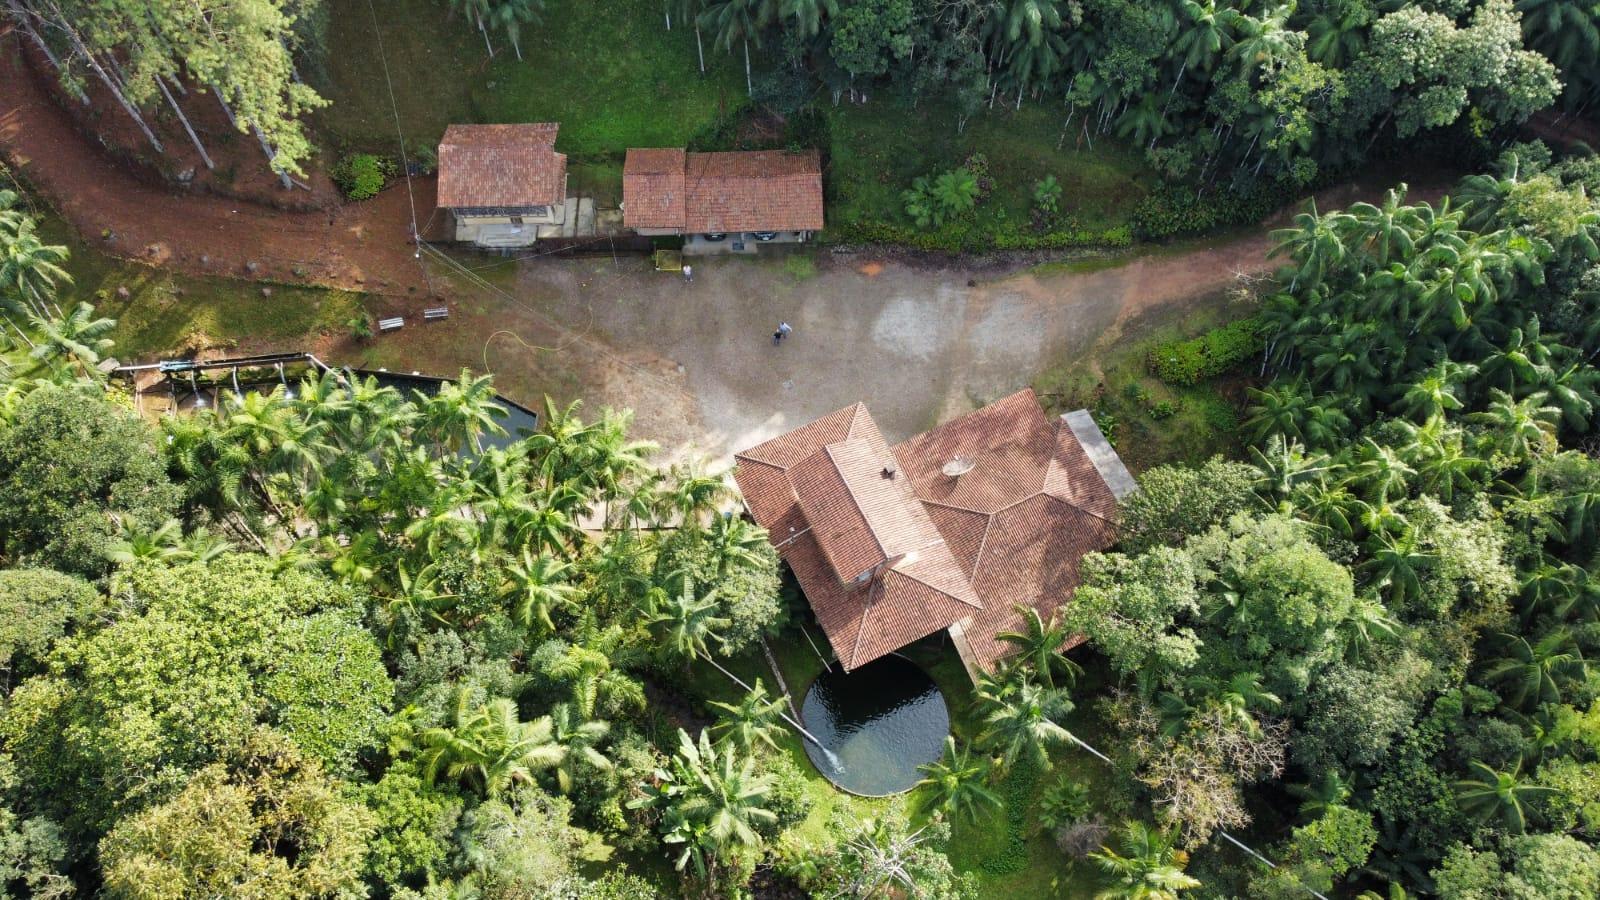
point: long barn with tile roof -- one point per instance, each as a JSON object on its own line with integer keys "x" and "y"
{"x": 948, "y": 531}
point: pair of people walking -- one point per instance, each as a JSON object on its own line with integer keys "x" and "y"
{"x": 782, "y": 331}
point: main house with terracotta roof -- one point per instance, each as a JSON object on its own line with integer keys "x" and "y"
{"x": 948, "y": 531}
{"x": 502, "y": 183}
{"x": 723, "y": 201}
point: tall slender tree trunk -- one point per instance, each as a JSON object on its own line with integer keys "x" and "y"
{"x": 25, "y": 17}
{"x": 105, "y": 78}
{"x": 749, "y": 85}
{"x": 667, "y": 8}
{"x": 266, "y": 146}
{"x": 188, "y": 129}
{"x": 485, "y": 37}
{"x": 699, "y": 47}
{"x": 1168, "y": 105}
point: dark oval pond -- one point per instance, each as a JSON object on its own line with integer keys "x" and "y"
{"x": 877, "y": 725}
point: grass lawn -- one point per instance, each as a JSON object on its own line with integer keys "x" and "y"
{"x": 1148, "y": 421}
{"x": 615, "y": 78}
{"x": 1035, "y": 868}
{"x": 608, "y": 71}
{"x": 880, "y": 146}
{"x": 165, "y": 313}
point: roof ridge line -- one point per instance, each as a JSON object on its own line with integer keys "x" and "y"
{"x": 759, "y": 461}
{"x": 933, "y": 587}
{"x": 977, "y": 512}
{"x": 854, "y": 500}
{"x": 861, "y": 627}
{"x": 1070, "y": 504}
{"x": 983, "y": 544}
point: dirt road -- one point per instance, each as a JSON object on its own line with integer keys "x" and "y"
{"x": 695, "y": 362}
{"x": 357, "y": 246}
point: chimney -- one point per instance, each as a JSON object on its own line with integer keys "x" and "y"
{"x": 890, "y": 471}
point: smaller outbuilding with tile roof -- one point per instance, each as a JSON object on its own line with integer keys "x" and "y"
{"x": 501, "y": 182}
{"x": 950, "y": 530}
{"x": 723, "y": 201}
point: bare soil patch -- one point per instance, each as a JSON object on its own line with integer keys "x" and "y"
{"x": 362, "y": 246}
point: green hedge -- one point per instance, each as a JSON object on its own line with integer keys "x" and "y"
{"x": 972, "y": 238}
{"x": 1173, "y": 210}
{"x": 1185, "y": 363}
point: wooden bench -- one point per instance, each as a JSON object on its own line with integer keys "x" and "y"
{"x": 394, "y": 324}
{"x": 436, "y": 314}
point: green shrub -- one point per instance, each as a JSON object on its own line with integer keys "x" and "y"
{"x": 1163, "y": 409}
{"x": 1173, "y": 210}
{"x": 362, "y": 175}
{"x": 933, "y": 201}
{"x": 1185, "y": 363}
{"x": 971, "y": 237}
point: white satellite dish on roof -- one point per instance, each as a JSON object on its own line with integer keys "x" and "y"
{"x": 958, "y": 466}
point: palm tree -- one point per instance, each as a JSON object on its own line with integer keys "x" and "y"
{"x": 1020, "y": 720}
{"x": 1337, "y": 32}
{"x": 1039, "y": 645}
{"x": 536, "y": 586}
{"x": 563, "y": 447}
{"x": 735, "y": 543}
{"x": 690, "y": 493}
{"x": 1204, "y": 33}
{"x": 1145, "y": 866}
{"x": 489, "y": 747}
{"x": 1398, "y": 562}
{"x": 955, "y": 785}
{"x": 29, "y": 268}
{"x": 576, "y": 738}
{"x": 1265, "y": 43}
{"x": 1519, "y": 428}
{"x": 755, "y": 719}
{"x": 1317, "y": 798}
{"x": 1315, "y": 242}
{"x": 711, "y": 800}
{"x": 734, "y": 21}
{"x": 1387, "y": 231}
{"x": 1492, "y": 795}
{"x": 1436, "y": 392}
{"x": 78, "y": 337}
{"x": 1533, "y": 673}
{"x": 510, "y": 15}
{"x": 688, "y": 623}
{"x": 462, "y": 412}
{"x": 592, "y": 669}
{"x": 164, "y": 544}
{"x": 808, "y": 15}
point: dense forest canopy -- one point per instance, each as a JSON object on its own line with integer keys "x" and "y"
{"x": 410, "y": 671}
{"x": 1229, "y": 90}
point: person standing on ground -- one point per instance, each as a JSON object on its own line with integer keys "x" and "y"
{"x": 784, "y": 329}
{"x": 688, "y": 274}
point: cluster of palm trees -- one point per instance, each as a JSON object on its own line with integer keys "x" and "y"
{"x": 1021, "y": 706}
{"x": 31, "y": 274}
{"x": 1397, "y": 305}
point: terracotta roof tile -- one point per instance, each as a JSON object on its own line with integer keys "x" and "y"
{"x": 1012, "y": 530}
{"x": 652, "y": 188}
{"x": 701, "y": 193}
{"x": 501, "y": 166}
